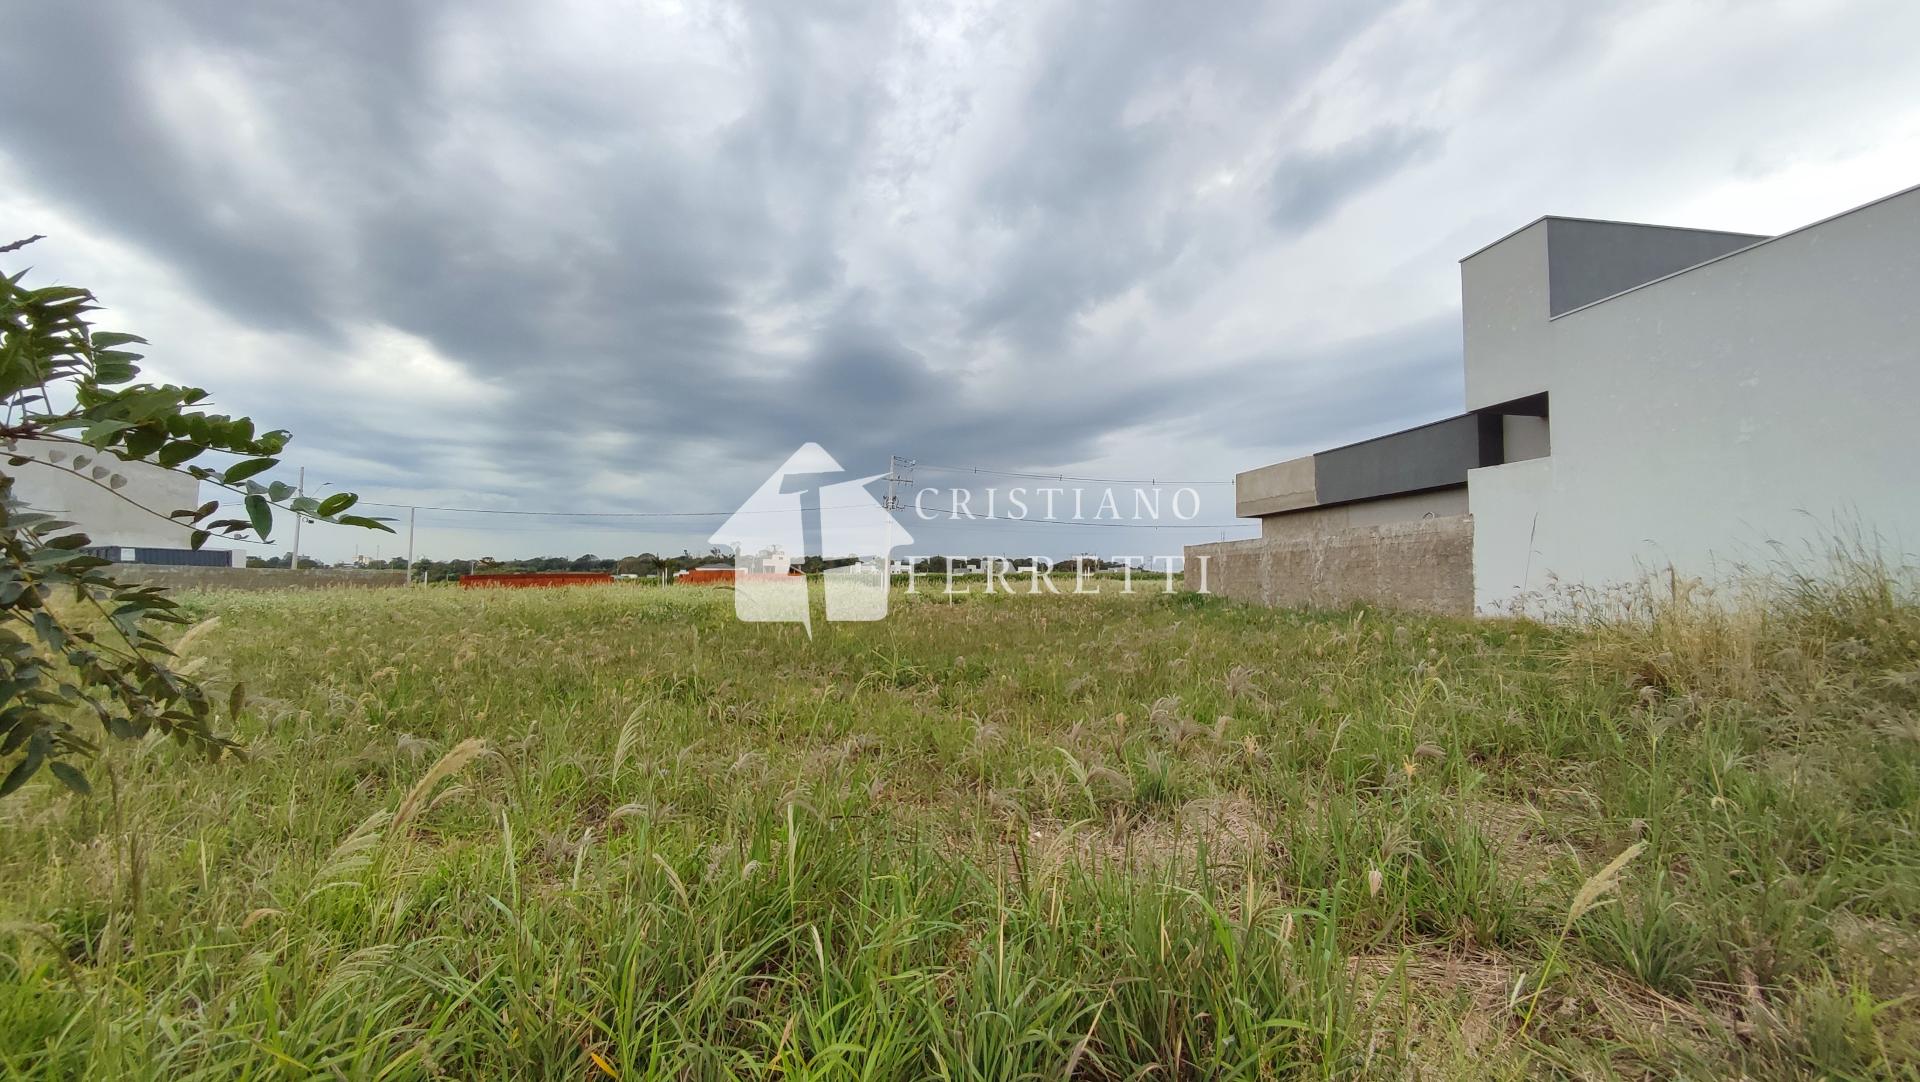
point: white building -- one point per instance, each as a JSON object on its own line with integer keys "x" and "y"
{"x": 126, "y": 522}
{"x": 1638, "y": 399}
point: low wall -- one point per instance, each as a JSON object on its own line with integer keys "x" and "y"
{"x": 497, "y": 580}
{"x": 1424, "y": 564}
{"x": 254, "y": 578}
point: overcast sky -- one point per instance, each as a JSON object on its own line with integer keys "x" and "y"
{"x": 615, "y": 258}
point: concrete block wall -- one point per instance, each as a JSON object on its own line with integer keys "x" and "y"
{"x": 254, "y": 578}
{"x": 1425, "y": 565}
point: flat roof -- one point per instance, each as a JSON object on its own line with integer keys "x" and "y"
{"x": 1608, "y": 221}
{"x": 1386, "y": 435}
{"x": 1742, "y": 251}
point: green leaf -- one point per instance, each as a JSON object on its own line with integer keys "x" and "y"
{"x": 337, "y": 503}
{"x": 364, "y": 523}
{"x": 260, "y": 513}
{"x": 100, "y": 432}
{"x": 199, "y": 538}
{"x": 240, "y": 471}
{"x": 36, "y": 751}
{"x": 114, "y": 368}
{"x": 70, "y": 777}
{"x": 127, "y": 728}
{"x": 279, "y": 490}
{"x": 178, "y": 451}
{"x": 145, "y": 441}
{"x": 49, "y": 631}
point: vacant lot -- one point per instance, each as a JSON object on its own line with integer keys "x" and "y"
{"x": 998, "y": 837}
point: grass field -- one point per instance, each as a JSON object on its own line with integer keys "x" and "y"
{"x": 998, "y": 837}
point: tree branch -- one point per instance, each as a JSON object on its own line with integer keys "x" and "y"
{"x": 110, "y": 490}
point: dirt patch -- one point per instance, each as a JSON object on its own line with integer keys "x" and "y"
{"x": 1466, "y": 1004}
{"x": 1233, "y": 831}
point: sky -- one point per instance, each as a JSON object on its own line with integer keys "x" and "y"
{"x": 625, "y": 258}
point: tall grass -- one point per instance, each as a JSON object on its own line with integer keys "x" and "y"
{"x": 616, "y": 833}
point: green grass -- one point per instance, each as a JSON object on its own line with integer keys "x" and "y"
{"x": 1115, "y": 837}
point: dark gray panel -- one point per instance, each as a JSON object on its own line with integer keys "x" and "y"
{"x": 184, "y": 557}
{"x": 1431, "y": 456}
{"x": 1589, "y": 261}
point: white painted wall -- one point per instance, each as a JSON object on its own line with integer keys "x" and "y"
{"x": 1506, "y": 503}
{"x": 1504, "y": 306}
{"x": 1741, "y": 411}
{"x": 107, "y": 517}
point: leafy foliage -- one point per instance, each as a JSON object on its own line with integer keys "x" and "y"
{"x": 74, "y": 640}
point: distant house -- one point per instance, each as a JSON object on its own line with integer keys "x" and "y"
{"x": 121, "y": 506}
{"x": 1638, "y": 398}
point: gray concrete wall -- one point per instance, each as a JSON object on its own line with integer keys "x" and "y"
{"x": 1430, "y": 456}
{"x": 1313, "y": 520}
{"x": 1589, "y": 261}
{"x": 1377, "y": 471}
{"x": 1425, "y": 565}
{"x": 1283, "y": 486}
{"x": 255, "y": 578}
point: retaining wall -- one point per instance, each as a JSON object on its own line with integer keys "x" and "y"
{"x": 254, "y": 578}
{"x": 1424, "y": 564}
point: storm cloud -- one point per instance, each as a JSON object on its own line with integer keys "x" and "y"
{"x": 561, "y": 256}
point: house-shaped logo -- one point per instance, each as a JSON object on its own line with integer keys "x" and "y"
{"x": 779, "y": 526}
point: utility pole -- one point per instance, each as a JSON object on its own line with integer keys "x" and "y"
{"x": 899, "y": 472}
{"x": 294, "y": 564}
{"x": 410, "y": 514}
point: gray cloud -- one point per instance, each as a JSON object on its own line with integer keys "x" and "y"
{"x": 1350, "y": 390}
{"x": 626, "y": 262}
{"x": 1306, "y": 188}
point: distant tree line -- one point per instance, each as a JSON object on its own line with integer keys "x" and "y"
{"x": 646, "y": 564}
{"x": 652, "y": 565}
